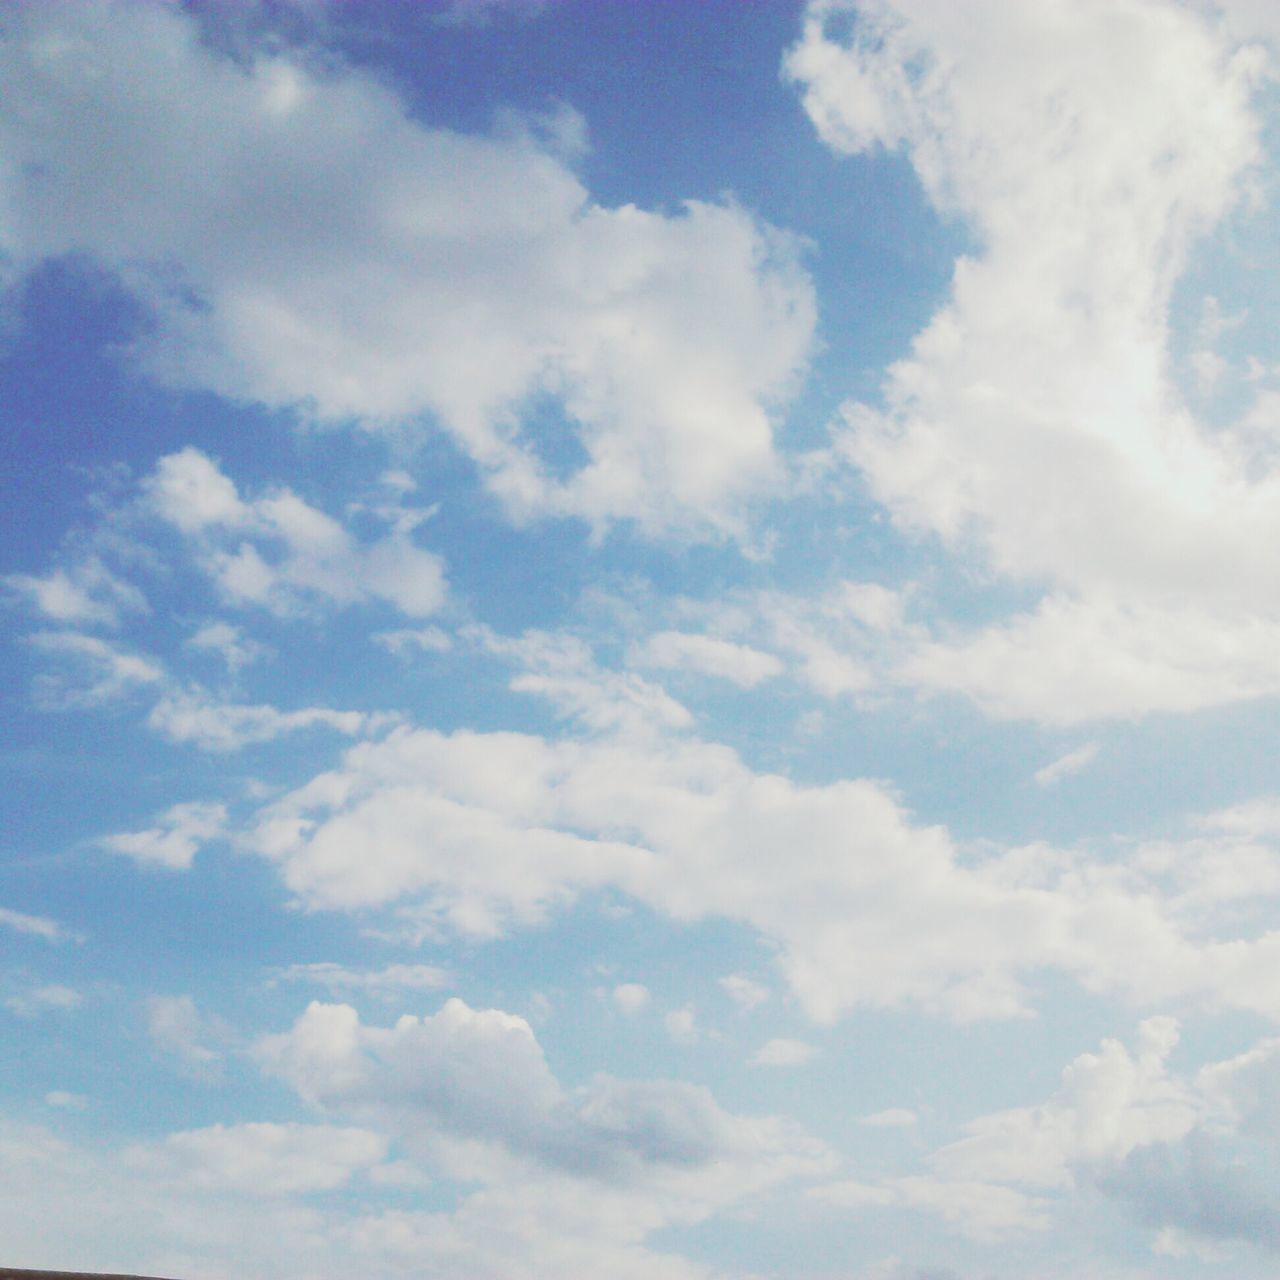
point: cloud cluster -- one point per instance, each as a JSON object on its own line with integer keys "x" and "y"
{"x": 303, "y": 241}
{"x": 279, "y": 552}
{"x": 1087, "y": 146}
{"x": 481, "y": 832}
{"x": 1190, "y": 1155}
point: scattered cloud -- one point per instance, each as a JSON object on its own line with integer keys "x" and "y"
{"x": 198, "y": 1043}
{"x": 1072, "y": 762}
{"x": 783, "y": 1053}
{"x": 679, "y": 650}
{"x": 177, "y": 837}
{"x": 37, "y": 926}
{"x": 631, "y": 998}
{"x": 745, "y": 992}
{"x": 280, "y": 553}
{"x": 388, "y": 983}
{"x": 666, "y": 339}
{"x": 893, "y": 1118}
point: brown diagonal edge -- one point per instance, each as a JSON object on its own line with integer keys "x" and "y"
{"x": 12, "y": 1273}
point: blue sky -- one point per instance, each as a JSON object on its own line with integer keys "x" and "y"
{"x": 641, "y": 639}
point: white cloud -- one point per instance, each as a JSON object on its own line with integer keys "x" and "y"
{"x": 1076, "y": 660}
{"x": 261, "y": 1159}
{"x": 229, "y": 643}
{"x": 30, "y": 1000}
{"x": 678, "y": 650}
{"x": 194, "y": 716}
{"x": 1108, "y": 1104}
{"x": 98, "y": 671}
{"x": 65, "y": 1101}
{"x": 1191, "y": 1156}
{"x": 479, "y": 833}
{"x": 278, "y": 552}
{"x": 631, "y": 997}
{"x": 88, "y": 593}
{"x": 745, "y": 992}
{"x": 177, "y": 1027}
{"x": 893, "y": 1118}
{"x": 783, "y": 1053}
{"x": 470, "y": 1090}
{"x": 681, "y": 1025}
{"x": 386, "y": 983}
{"x": 982, "y": 1211}
{"x": 1066, "y": 765}
{"x": 1035, "y": 418}
{"x": 406, "y": 642}
{"x": 442, "y": 274}
{"x": 174, "y": 841}
{"x": 561, "y": 668}
{"x": 36, "y": 926}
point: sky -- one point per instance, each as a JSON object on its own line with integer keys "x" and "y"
{"x": 640, "y": 639}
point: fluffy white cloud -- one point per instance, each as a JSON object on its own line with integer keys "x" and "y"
{"x": 1109, "y": 1103}
{"x": 980, "y": 1210}
{"x": 679, "y": 650}
{"x": 391, "y": 981}
{"x": 561, "y": 668}
{"x": 87, "y": 593}
{"x": 229, "y": 643}
{"x": 892, "y": 1118}
{"x": 681, "y": 1024}
{"x": 745, "y": 992}
{"x": 198, "y": 1042}
{"x": 427, "y": 272}
{"x": 481, "y": 832}
{"x": 1075, "y": 660}
{"x": 174, "y": 841}
{"x": 281, "y": 553}
{"x": 31, "y": 999}
{"x": 1088, "y": 146}
{"x": 96, "y": 671}
{"x": 261, "y": 1159}
{"x": 471, "y": 1090}
{"x": 631, "y": 997}
{"x": 1192, "y": 1156}
{"x": 783, "y": 1053}
{"x": 1066, "y": 765}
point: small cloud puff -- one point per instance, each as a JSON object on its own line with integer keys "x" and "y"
{"x": 783, "y": 1053}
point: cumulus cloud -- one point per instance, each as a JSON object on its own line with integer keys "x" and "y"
{"x": 279, "y": 552}
{"x": 892, "y": 1118}
{"x": 261, "y": 1159}
{"x": 1035, "y": 417}
{"x": 783, "y": 1053}
{"x": 443, "y": 275}
{"x": 1190, "y": 1155}
{"x": 93, "y": 671}
{"x": 1066, "y": 765}
{"x": 198, "y": 1043}
{"x": 481, "y": 832}
{"x": 31, "y": 999}
{"x": 229, "y": 643}
{"x": 562, "y": 669}
{"x": 472, "y": 1089}
{"x": 745, "y": 992}
{"x": 86, "y": 593}
{"x": 195, "y": 716}
{"x": 174, "y": 841}
{"x": 631, "y": 997}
